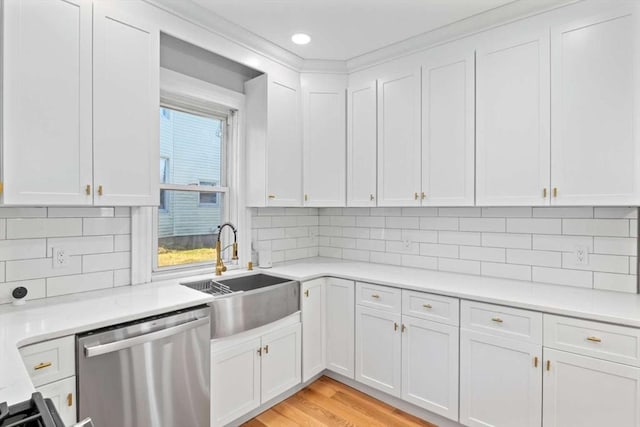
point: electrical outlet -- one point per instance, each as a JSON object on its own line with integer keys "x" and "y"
{"x": 581, "y": 255}
{"x": 406, "y": 244}
{"x": 60, "y": 258}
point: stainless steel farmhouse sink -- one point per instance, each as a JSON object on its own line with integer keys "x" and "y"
{"x": 248, "y": 302}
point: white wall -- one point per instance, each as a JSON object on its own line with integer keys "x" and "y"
{"x": 98, "y": 241}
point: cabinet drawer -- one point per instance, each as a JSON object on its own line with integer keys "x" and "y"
{"x": 379, "y": 297}
{"x": 50, "y": 360}
{"x": 432, "y": 307}
{"x": 502, "y": 321}
{"x": 610, "y": 342}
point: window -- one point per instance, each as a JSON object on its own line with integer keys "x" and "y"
{"x": 192, "y": 179}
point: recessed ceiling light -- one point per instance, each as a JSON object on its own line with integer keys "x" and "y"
{"x": 301, "y": 38}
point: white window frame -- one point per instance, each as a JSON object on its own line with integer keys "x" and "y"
{"x": 178, "y": 91}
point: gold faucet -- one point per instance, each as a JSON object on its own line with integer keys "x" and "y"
{"x": 220, "y": 267}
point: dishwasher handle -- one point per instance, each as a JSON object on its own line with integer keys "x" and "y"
{"x": 97, "y": 350}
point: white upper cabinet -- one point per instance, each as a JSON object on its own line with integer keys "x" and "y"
{"x": 126, "y": 104}
{"x": 274, "y": 143}
{"x": 512, "y": 113}
{"x": 595, "y": 157}
{"x": 362, "y": 144}
{"x": 324, "y": 139}
{"x": 448, "y": 91}
{"x": 46, "y": 132}
{"x": 399, "y": 163}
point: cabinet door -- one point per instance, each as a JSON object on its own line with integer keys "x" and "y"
{"x": 46, "y": 102}
{"x": 235, "y": 381}
{"x": 284, "y": 145}
{"x": 430, "y": 366}
{"x": 378, "y": 349}
{"x": 399, "y": 162}
{"x": 313, "y": 328}
{"x": 63, "y": 395}
{"x": 126, "y": 108}
{"x": 581, "y": 391}
{"x": 500, "y": 381}
{"x": 512, "y": 130}
{"x": 595, "y": 151}
{"x": 281, "y": 361}
{"x": 448, "y": 91}
{"x": 324, "y": 136}
{"x": 362, "y": 141}
{"x": 340, "y": 321}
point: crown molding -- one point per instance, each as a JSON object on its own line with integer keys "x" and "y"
{"x": 324, "y": 66}
{"x": 514, "y": 11}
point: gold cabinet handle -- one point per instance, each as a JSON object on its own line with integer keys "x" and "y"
{"x": 42, "y": 365}
{"x": 427, "y": 306}
{"x": 260, "y": 351}
{"x": 395, "y": 326}
{"x": 535, "y": 362}
{"x": 415, "y": 196}
{"x": 404, "y": 328}
{"x": 555, "y": 191}
{"x": 306, "y": 293}
{"x": 69, "y": 399}
{"x": 271, "y": 196}
{"x": 306, "y": 197}
{"x": 423, "y": 196}
{"x": 87, "y": 190}
{"x": 266, "y": 349}
{"x": 548, "y": 365}
{"x": 594, "y": 339}
{"x": 544, "y": 193}
{"x": 376, "y": 296}
{"x": 371, "y": 198}
{"x": 497, "y": 319}
{"x": 100, "y": 190}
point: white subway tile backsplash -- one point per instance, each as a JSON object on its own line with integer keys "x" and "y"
{"x": 561, "y": 243}
{"x": 22, "y": 249}
{"x": 440, "y": 251}
{"x": 43, "y": 227}
{"x": 122, "y": 243}
{"x": 122, "y": 211}
{"x": 355, "y": 232}
{"x": 80, "y": 212}
{"x": 560, "y": 276}
{"x": 459, "y": 266}
{"x": 459, "y": 212}
{"x": 615, "y": 245}
{"x": 370, "y": 221}
{"x": 23, "y": 212}
{"x": 507, "y": 271}
{"x": 419, "y": 211}
{"x": 423, "y": 236}
{"x": 566, "y": 212}
{"x": 284, "y": 221}
{"x": 615, "y": 282}
{"x": 483, "y": 224}
{"x": 404, "y": 222}
{"x": 3, "y": 229}
{"x": 104, "y": 262}
{"x": 534, "y": 225}
{"x": 35, "y": 289}
{"x": 529, "y": 257}
{"x": 122, "y": 277}
{"x": 283, "y": 244}
{"x": 417, "y": 261}
{"x": 83, "y": 245}
{"x": 371, "y": 245}
{"x": 439, "y": 223}
{"x": 101, "y": 226}
{"x": 385, "y": 258}
{"x": 482, "y": 254}
{"x": 40, "y": 268}
{"x": 507, "y": 212}
{"x": 79, "y": 283}
{"x": 506, "y": 240}
{"x": 596, "y": 262}
{"x": 403, "y": 247}
{"x": 355, "y": 255}
{"x": 596, "y": 227}
{"x": 459, "y": 238}
{"x": 616, "y": 212}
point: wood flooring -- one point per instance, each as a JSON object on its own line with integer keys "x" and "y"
{"x": 327, "y": 402}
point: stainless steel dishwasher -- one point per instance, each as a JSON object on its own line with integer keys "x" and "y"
{"x": 153, "y": 372}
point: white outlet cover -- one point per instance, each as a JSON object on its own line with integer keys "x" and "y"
{"x": 60, "y": 258}
{"x": 581, "y": 255}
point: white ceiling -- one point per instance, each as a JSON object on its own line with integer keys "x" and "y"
{"x": 344, "y": 29}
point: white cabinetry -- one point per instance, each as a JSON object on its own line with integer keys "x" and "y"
{"x": 595, "y": 150}
{"x": 500, "y": 366}
{"x": 126, "y": 101}
{"x": 324, "y": 139}
{"x": 274, "y": 142}
{"x": 46, "y": 132}
{"x": 512, "y": 113}
{"x": 448, "y": 127}
{"x": 399, "y": 164}
{"x": 362, "y": 141}
{"x": 251, "y": 369}
{"x": 340, "y": 326}
{"x": 63, "y": 395}
{"x": 80, "y": 105}
{"x": 313, "y": 308}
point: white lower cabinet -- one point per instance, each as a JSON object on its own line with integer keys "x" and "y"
{"x": 340, "y": 326}
{"x": 430, "y": 365}
{"x": 582, "y": 391}
{"x": 378, "y": 349}
{"x": 313, "y": 328}
{"x": 247, "y": 372}
{"x": 63, "y": 395}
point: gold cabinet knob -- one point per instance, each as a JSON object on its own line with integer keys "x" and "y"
{"x": 535, "y": 362}
{"x": 271, "y": 196}
{"x": 395, "y": 326}
{"x": 544, "y": 193}
{"x": 427, "y": 306}
{"x": 306, "y": 197}
{"x": 497, "y": 319}
{"x": 371, "y": 198}
{"x": 548, "y": 365}
{"x": 415, "y": 196}
{"x": 42, "y": 365}
{"x": 87, "y": 190}
{"x": 100, "y": 190}
{"x": 69, "y": 399}
{"x": 306, "y": 293}
{"x": 594, "y": 339}
{"x": 266, "y": 349}
{"x": 376, "y": 296}
{"x": 404, "y": 328}
{"x": 260, "y": 351}
{"x": 423, "y": 196}
{"x": 555, "y": 191}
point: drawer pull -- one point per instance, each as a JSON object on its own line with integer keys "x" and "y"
{"x": 395, "y": 326}
{"x": 260, "y": 351}
{"x": 427, "y": 306}
{"x": 376, "y": 296}
{"x": 306, "y": 293}
{"x": 548, "y": 365}
{"x": 69, "y": 399}
{"x": 497, "y": 319}
{"x": 266, "y": 349}
{"x": 594, "y": 339}
{"x": 404, "y": 328}
{"x": 42, "y": 365}
{"x": 535, "y": 362}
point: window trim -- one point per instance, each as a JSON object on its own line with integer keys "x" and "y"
{"x": 184, "y": 91}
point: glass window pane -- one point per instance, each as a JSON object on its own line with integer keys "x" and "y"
{"x": 192, "y": 145}
{"x": 187, "y": 231}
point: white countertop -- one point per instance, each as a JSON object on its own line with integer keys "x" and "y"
{"x": 607, "y": 306}
{"x": 56, "y": 317}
